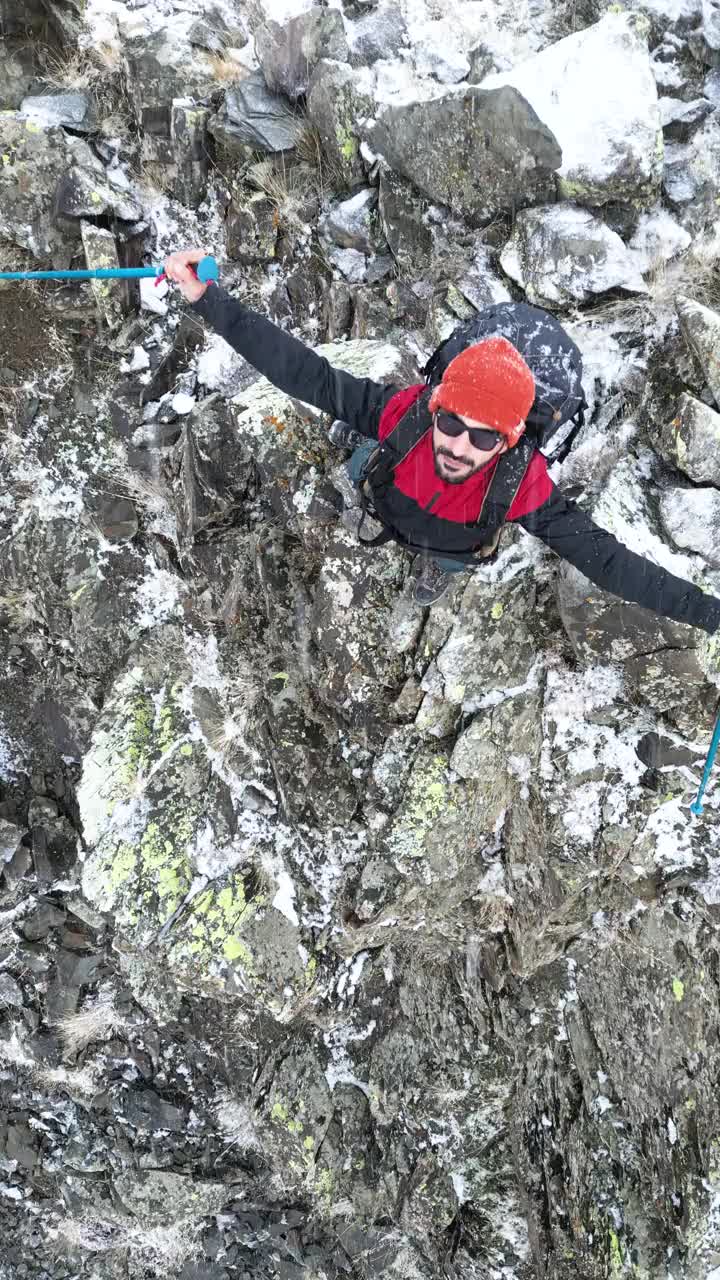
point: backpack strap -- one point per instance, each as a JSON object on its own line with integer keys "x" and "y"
{"x": 578, "y": 421}
{"x": 396, "y": 446}
{"x": 503, "y": 488}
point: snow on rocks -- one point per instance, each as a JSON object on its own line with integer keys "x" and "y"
{"x": 595, "y": 91}
{"x": 510, "y": 162}
{"x": 700, "y": 327}
{"x": 560, "y": 255}
{"x": 657, "y": 239}
{"x": 690, "y": 440}
{"x": 692, "y": 519}
{"x": 691, "y": 178}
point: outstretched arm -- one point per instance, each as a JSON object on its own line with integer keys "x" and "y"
{"x": 567, "y": 529}
{"x": 288, "y": 363}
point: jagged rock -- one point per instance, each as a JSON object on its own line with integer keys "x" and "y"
{"x": 188, "y": 134}
{"x": 349, "y": 262}
{"x": 10, "y": 837}
{"x": 372, "y": 316}
{"x": 560, "y": 254}
{"x": 50, "y": 173}
{"x": 509, "y": 165}
{"x": 164, "y": 1198}
{"x": 152, "y": 822}
{"x": 88, "y": 191}
{"x": 338, "y": 310}
{"x": 289, "y": 51}
{"x": 691, "y": 440}
{"x": 376, "y": 35}
{"x": 159, "y": 67}
{"x": 101, "y": 254}
{"x": 10, "y": 993}
{"x": 447, "y": 65}
{"x": 692, "y": 519}
{"x": 64, "y": 17}
{"x": 401, "y": 212}
{"x": 613, "y": 630}
{"x": 213, "y": 476}
{"x": 480, "y": 282}
{"x": 678, "y": 117}
{"x": 335, "y": 103}
{"x": 72, "y": 110}
{"x": 701, "y": 329}
{"x": 611, "y": 147}
{"x": 350, "y": 224}
{"x": 657, "y": 238}
{"x": 20, "y": 73}
{"x": 691, "y": 179}
{"x": 252, "y": 229}
{"x": 253, "y": 117}
{"x": 213, "y": 32}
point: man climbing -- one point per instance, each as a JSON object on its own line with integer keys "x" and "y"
{"x": 438, "y": 498}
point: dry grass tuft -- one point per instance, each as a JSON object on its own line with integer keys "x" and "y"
{"x": 235, "y": 1120}
{"x": 81, "y": 69}
{"x": 312, "y": 151}
{"x": 225, "y": 69}
{"x": 97, "y": 1021}
{"x": 161, "y": 1250}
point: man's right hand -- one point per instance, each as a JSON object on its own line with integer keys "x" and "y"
{"x": 178, "y": 268}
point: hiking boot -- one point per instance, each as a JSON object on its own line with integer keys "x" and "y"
{"x": 431, "y": 583}
{"x": 344, "y": 436}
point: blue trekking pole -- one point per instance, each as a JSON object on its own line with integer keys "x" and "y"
{"x": 696, "y": 807}
{"x": 206, "y": 269}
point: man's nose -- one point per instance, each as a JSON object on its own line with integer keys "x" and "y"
{"x": 458, "y": 444}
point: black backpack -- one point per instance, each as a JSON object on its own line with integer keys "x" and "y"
{"x": 551, "y": 354}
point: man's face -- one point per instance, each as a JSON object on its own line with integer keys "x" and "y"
{"x": 456, "y": 457}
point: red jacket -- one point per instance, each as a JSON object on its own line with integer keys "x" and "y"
{"x": 417, "y": 478}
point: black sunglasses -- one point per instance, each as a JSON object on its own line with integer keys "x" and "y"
{"x": 480, "y": 437}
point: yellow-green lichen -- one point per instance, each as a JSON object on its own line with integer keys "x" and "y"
{"x": 616, "y": 1257}
{"x": 429, "y": 797}
{"x": 218, "y": 917}
{"x": 678, "y": 989}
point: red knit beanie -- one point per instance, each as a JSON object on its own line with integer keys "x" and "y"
{"x": 490, "y": 382}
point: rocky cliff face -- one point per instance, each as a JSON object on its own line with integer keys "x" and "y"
{"x": 340, "y": 937}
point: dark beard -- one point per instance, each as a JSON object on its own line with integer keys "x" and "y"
{"x": 443, "y": 453}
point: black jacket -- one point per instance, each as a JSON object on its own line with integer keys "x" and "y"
{"x": 299, "y": 371}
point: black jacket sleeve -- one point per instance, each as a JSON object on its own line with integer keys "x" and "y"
{"x": 567, "y": 529}
{"x": 292, "y": 366}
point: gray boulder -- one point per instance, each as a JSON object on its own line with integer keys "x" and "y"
{"x": 251, "y": 229}
{"x": 496, "y": 153}
{"x": 289, "y": 51}
{"x": 20, "y": 74}
{"x": 678, "y": 117}
{"x": 401, "y": 212}
{"x": 561, "y": 255}
{"x": 690, "y": 440}
{"x": 692, "y": 519}
{"x": 157, "y": 68}
{"x": 691, "y": 179}
{"x": 188, "y": 133}
{"x": 101, "y": 255}
{"x": 603, "y": 627}
{"x": 350, "y": 224}
{"x": 611, "y": 143}
{"x": 51, "y": 180}
{"x": 700, "y": 328}
{"x": 50, "y": 110}
{"x": 335, "y": 103}
{"x": 381, "y": 33}
{"x": 253, "y": 117}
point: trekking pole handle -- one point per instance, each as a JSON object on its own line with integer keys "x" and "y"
{"x": 206, "y": 270}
